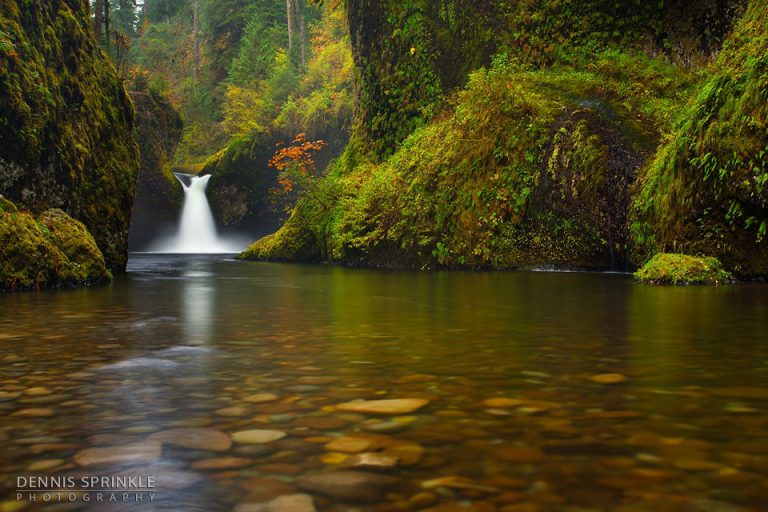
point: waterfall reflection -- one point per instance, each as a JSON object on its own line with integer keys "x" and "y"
{"x": 198, "y": 301}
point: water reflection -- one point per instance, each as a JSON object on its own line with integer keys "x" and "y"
{"x": 197, "y": 300}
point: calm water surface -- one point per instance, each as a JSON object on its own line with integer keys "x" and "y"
{"x": 222, "y": 347}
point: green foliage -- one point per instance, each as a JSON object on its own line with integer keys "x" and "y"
{"x": 54, "y": 250}
{"x": 274, "y": 109}
{"x": 681, "y": 269}
{"x": 264, "y": 35}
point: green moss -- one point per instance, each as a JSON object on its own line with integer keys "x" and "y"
{"x": 52, "y": 251}
{"x": 66, "y": 131}
{"x": 681, "y": 269}
{"x": 295, "y": 241}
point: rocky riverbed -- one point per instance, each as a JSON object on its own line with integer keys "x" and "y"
{"x": 284, "y": 412}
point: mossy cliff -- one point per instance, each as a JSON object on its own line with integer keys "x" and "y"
{"x": 50, "y": 251}
{"x": 66, "y": 122}
{"x": 706, "y": 191}
{"x": 409, "y": 53}
{"x": 535, "y": 161}
{"x": 159, "y": 195}
{"x": 522, "y": 168}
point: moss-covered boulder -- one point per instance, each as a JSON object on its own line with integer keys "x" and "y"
{"x": 66, "y": 121}
{"x": 681, "y": 269}
{"x": 159, "y": 195}
{"x": 294, "y": 242}
{"x": 51, "y": 251}
{"x": 706, "y": 192}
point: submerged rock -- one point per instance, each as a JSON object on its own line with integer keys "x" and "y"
{"x": 288, "y": 503}
{"x": 372, "y": 461}
{"x": 391, "y": 406}
{"x": 208, "y": 439}
{"x": 608, "y": 378}
{"x": 127, "y": 454}
{"x": 257, "y": 436}
{"x": 222, "y": 463}
{"x": 350, "y": 445}
{"x": 355, "y": 486}
{"x": 458, "y": 482}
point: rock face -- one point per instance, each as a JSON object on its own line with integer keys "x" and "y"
{"x": 158, "y": 193}
{"x": 53, "y": 250}
{"x": 66, "y": 122}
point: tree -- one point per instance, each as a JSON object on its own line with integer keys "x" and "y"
{"x": 196, "y": 36}
{"x": 98, "y": 18}
{"x": 106, "y": 22}
{"x": 302, "y": 35}
{"x": 289, "y": 11}
{"x": 296, "y": 166}
{"x": 296, "y": 20}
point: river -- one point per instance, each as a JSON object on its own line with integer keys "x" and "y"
{"x": 517, "y": 391}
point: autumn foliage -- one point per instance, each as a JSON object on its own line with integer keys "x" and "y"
{"x": 295, "y": 162}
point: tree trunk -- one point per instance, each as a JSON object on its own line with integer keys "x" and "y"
{"x": 106, "y": 23}
{"x": 300, "y": 18}
{"x": 289, "y": 12}
{"x": 98, "y": 18}
{"x": 196, "y": 37}
{"x": 168, "y": 10}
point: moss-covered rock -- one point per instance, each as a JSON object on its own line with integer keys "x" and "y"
{"x": 51, "y": 251}
{"x": 159, "y": 195}
{"x": 295, "y": 242}
{"x": 681, "y": 269}
{"x": 706, "y": 192}
{"x": 66, "y": 122}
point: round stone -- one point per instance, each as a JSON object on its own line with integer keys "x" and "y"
{"x": 257, "y": 436}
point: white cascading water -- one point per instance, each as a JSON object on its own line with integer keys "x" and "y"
{"x": 197, "y": 229}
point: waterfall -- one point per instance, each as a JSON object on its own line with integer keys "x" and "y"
{"x": 197, "y": 229}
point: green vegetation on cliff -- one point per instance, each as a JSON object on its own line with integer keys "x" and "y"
{"x": 521, "y": 168}
{"x": 66, "y": 122}
{"x": 51, "y": 251}
{"x": 575, "y": 148}
{"x": 706, "y": 191}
